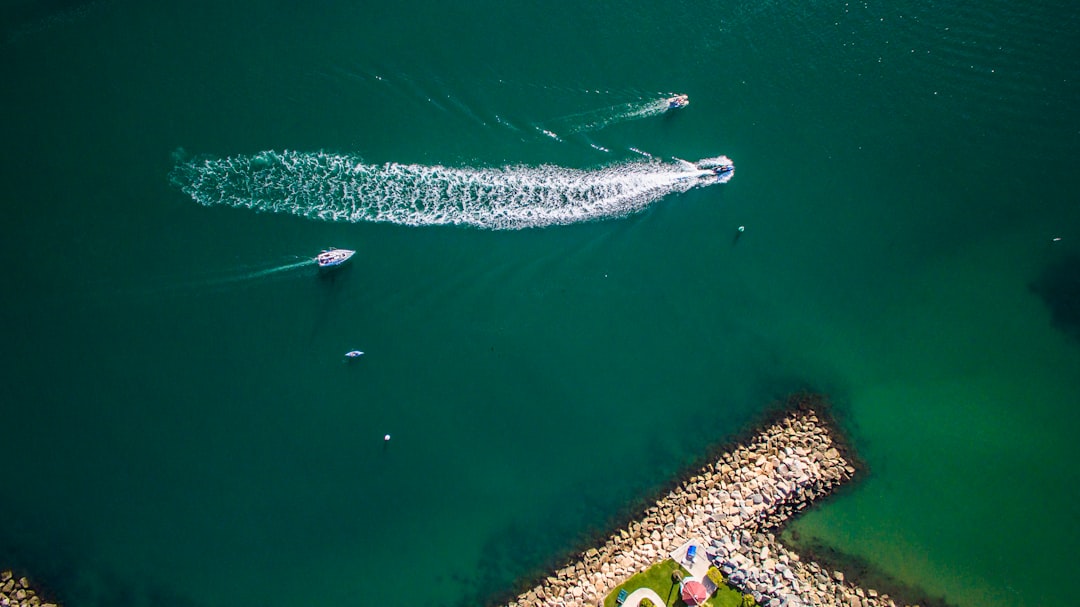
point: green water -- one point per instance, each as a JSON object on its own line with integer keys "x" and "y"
{"x": 180, "y": 428}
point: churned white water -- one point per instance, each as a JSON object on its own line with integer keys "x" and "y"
{"x": 342, "y": 188}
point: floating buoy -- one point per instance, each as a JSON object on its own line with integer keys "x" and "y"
{"x": 386, "y": 438}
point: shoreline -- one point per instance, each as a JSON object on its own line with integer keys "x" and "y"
{"x": 736, "y": 498}
{"x": 861, "y": 572}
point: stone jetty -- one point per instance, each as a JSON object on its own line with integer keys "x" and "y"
{"x": 735, "y": 504}
{"x": 16, "y": 592}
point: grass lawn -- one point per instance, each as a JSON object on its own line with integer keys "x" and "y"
{"x": 658, "y": 577}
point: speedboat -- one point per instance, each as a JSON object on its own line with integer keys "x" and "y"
{"x": 678, "y": 101}
{"x": 333, "y": 257}
{"x": 354, "y": 354}
{"x": 723, "y": 173}
{"x": 721, "y": 167}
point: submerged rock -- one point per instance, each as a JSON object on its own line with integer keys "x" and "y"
{"x": 1059, "y": 288}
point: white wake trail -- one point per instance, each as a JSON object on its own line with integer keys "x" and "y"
{"x": 342, "y": 188}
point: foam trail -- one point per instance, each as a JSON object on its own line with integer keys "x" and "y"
{"x": 341, "y": 188}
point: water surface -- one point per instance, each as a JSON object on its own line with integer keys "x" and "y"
{"x": 181, "y": 426}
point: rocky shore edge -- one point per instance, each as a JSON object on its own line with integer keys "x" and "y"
{"x": 735, "y": 504}
{"x": 18, "y": 593}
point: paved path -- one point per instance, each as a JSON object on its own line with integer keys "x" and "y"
{"x": 643, "y": 593}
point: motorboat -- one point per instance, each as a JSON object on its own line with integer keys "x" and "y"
{"x": 722, "y": 173}
{"x": 354, "y": 354}
{"x": 678, "y": 101}
{"x": 333, "y": 257}
{"x": 721, "y": 168}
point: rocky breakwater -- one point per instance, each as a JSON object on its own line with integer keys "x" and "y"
{"x": 733, "y": 504}
{"x": 16, "y": 592}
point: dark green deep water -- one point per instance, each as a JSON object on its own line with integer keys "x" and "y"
{"x": 178, "y": 425}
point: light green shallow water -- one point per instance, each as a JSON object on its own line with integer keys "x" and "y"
{"x": 180, "y": 428}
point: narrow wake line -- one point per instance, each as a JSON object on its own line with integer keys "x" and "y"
{"x": 230, "y": 278}
{"x": 594, "y": 120}
{"x": 341, "y": 188}
{"x": 264, "y": 273}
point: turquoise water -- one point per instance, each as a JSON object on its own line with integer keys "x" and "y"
{"x": 181, "y": 428}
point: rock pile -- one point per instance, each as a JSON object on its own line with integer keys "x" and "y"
{"x": 734, "y": 503}
{"x": 17, "y": 592}
{"x": 775, "y": 576}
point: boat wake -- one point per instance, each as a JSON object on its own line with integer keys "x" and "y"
{"x": 219, "y": 280}
{"x": 335, "y": 187}
{"x": 595, "y": 120}
{"x": 258, "y": 274}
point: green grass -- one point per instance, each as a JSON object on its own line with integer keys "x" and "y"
{"x": 658, "y": 577}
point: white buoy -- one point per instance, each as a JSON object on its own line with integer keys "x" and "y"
{"x": 386, "y": 438}
{"x": 742, "y": 228}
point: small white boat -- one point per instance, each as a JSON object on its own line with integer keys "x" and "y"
{"x": 354, "y": 354}
{"x": 333, "y": 257}
{"x": 678, "y": 101}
